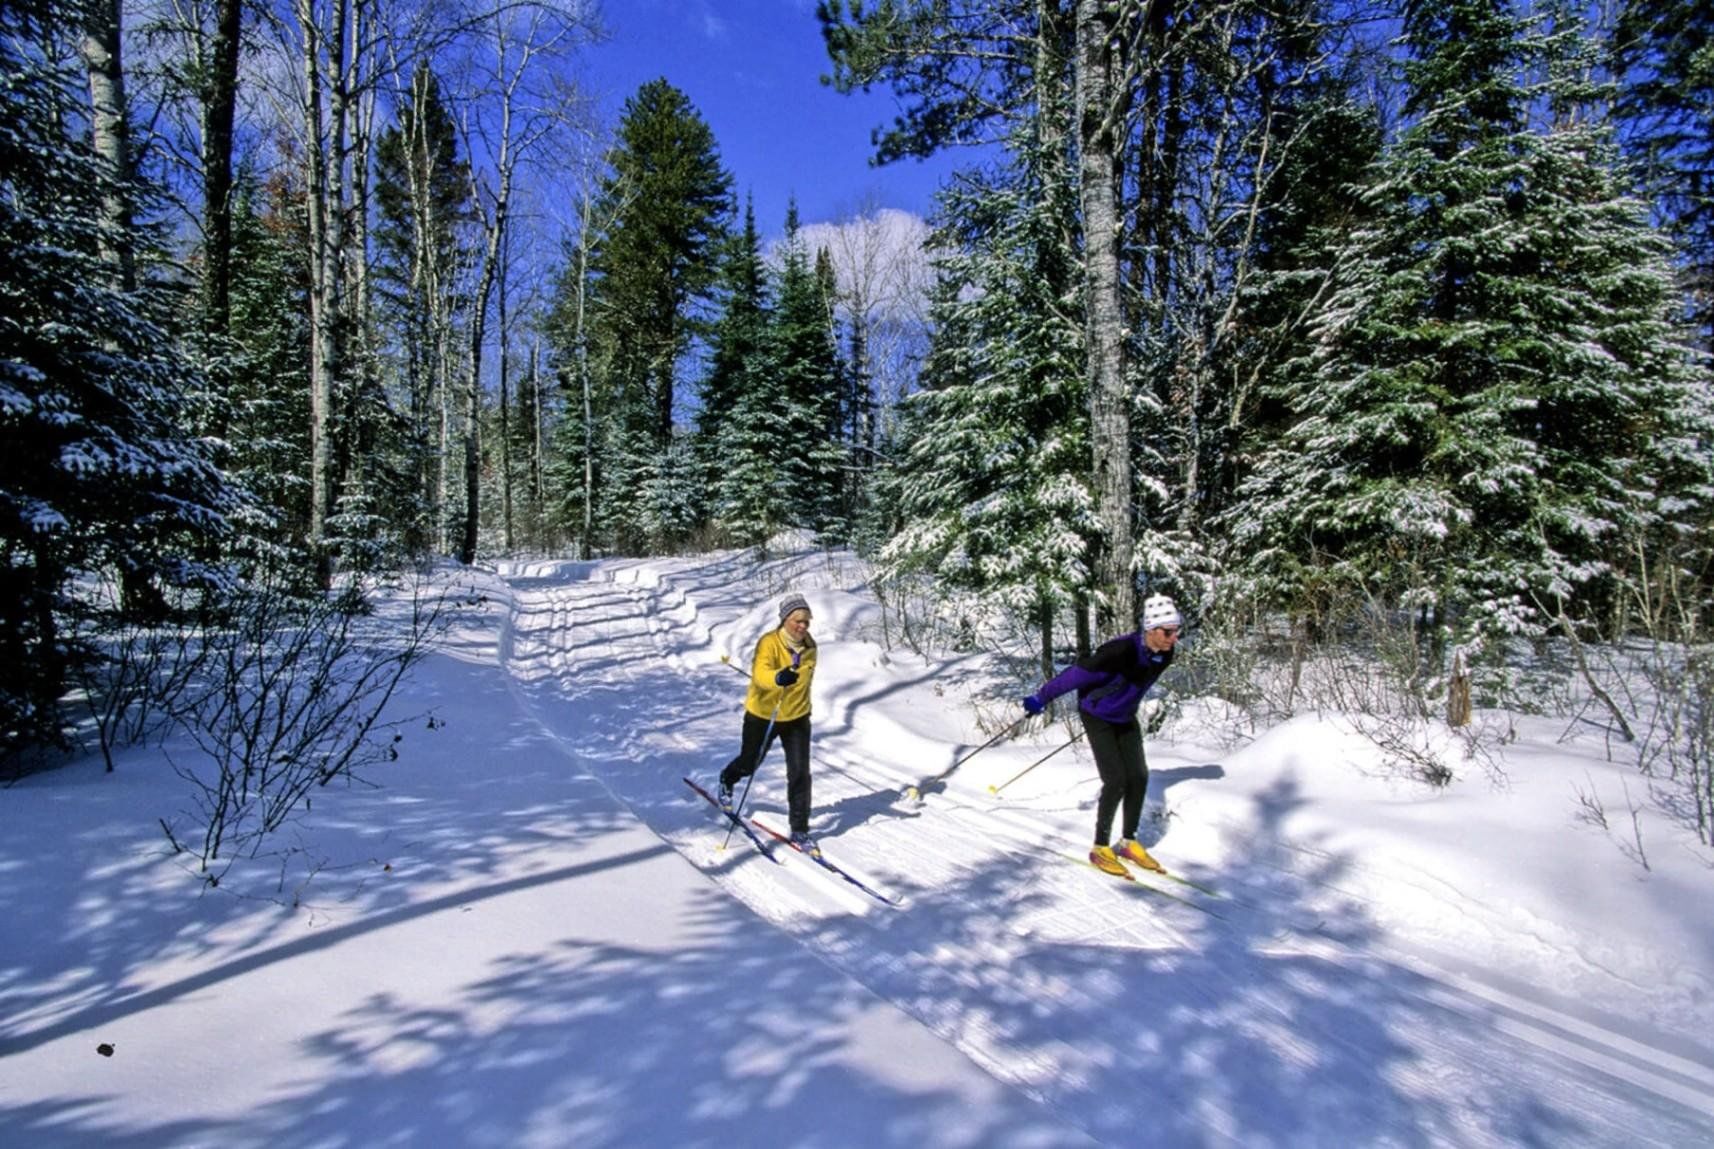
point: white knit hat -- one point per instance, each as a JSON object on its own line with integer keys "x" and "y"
{"x": 1159, "y": 610}
{"x": 791, "y": 603}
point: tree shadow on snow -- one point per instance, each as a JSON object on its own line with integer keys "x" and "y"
{"x": 1118, "y": 1014}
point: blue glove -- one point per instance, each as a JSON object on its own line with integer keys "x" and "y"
{"x": 785, "y": 677}
{"x": 1034, "y": 705}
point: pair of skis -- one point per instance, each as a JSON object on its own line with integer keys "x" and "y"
{"x": 1141, "y": 886}
{"x": 750, "y": 826}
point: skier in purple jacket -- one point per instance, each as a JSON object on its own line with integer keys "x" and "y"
{"x": 1110, "y": 685}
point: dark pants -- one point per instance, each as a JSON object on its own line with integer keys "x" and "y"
{"x": 1124, "y": 774}
{"x": 794, "y": 739}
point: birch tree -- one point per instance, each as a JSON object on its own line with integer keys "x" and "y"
{"x": 424, "y": 213}
{"x": 662, "y": 214}
{"x": 519, "y": 71}
{"x": 1100, "y": 110}
{"x": 884, "y": 276}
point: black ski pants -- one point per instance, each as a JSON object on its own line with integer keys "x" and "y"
{"x": 794, "y": 740}
{"x": 1118, "y": 749}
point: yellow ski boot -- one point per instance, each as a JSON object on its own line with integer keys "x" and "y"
{"x": 1103, "y": 859}
{"x": 1132, "y": 851}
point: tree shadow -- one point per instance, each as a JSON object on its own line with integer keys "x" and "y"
{"x": 1101, "y": 1011}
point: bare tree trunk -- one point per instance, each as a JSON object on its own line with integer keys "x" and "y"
{"x": 359, "y": 422}
{"x": 496, "y": 229}
{"x": 505, "y": 392}
{"x": 338, "y": 159}
{"x": 1044, "y": 630}
{"x": 443, "y": 455}
{"x": 219, "y": 110}
{"x": 361, "y": 117}
{"x": 1109, "y": 413}
{"x": 473, "y": 409}
{"x": 586, "y": 544}
{"x": 432, "y": 299}
{"x": 580, "y": 337}
{"x": 325, "y": 158}
{"x": 536, "y": 440}
{"x": 320, "y": 319}
{"x": 102, "y": 50}
{"x": 110, "y": 133}
{"x": 515, "y": 134}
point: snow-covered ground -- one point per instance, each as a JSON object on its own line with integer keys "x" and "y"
{"x": 532, "y": 933}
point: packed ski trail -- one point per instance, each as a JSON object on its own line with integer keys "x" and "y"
{"x": 1280, "y": 1010}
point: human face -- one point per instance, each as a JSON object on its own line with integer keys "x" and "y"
{"x": 1161, "y": 639}
{"x": 797, "y": 624}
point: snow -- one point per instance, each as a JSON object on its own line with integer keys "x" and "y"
{"x": 529, "y": 932}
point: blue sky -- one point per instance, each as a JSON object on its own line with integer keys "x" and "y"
{"x": 752, "y": 68}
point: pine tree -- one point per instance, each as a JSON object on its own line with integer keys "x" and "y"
{"x": 97, "y": 482}
{"x": 752, "y": 492}
{"x": 269, "y": 387}
{"x": 737, "y": 366}
{"x": 1496, "y": 397}
{"x": 807, "y": 387}
{"x": 1307, "y": 211}
{"x": 1664, "y": 51}
{"x": 666, "y": 204}
{"x": 989, "y": 481}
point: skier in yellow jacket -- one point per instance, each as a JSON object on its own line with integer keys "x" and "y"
{"x": 777, "y": 706}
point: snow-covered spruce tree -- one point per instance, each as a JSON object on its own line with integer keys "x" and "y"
{"x": 1664, "y": 51}
{"x": 989, "y": 479}
{"x": 267, "y": 398}
{"x": 806, "y": 385}
{"x": 97, "y": 479}
{"x": 1009, "y": 72}
{"x": 664, "y": 209}
{"x": 1304, "y": 215}
{"x": 729, "y": 453}
{"x": 752, "y": 498}
{"x": 1495, "y": 400}
{"x": 675, "y": 503}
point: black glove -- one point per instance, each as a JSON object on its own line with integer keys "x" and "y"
{"x": 785, "y": 677}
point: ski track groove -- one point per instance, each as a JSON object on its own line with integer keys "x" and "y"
{"x": 948, "y": 839}
{"x": 725, "y": 861}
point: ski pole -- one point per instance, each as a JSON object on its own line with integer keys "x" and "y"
{"x": 995, "y": 790}
{"x": 760, "y": 754}
{"x": 751, "y": 777}
{"x": 914, "y": 793}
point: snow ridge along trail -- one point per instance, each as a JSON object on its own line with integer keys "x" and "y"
{"x": 1299, "y": 1016}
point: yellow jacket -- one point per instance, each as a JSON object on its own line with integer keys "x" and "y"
{"x": 772, "y": 656}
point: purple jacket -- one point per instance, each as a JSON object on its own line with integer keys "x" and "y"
{"x": 1111, "y": 682}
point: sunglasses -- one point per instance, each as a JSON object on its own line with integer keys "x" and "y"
{"x": 1169, "y": 631}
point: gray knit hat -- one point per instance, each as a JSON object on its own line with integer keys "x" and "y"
{"x": 790, "y": 603}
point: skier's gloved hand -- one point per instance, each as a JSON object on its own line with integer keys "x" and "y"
{"x": 785, "y": 677}
{"x": 1034, "y": 705}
